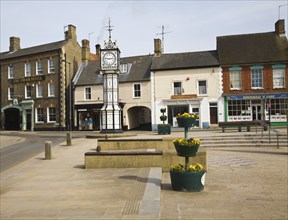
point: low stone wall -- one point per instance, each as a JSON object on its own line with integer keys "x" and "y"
{"x": 133, "y": 153}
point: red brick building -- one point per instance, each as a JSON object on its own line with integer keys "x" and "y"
{"x": 255, "y": 73}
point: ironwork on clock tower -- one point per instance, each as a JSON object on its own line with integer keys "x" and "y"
{"x": 110, "y": 67}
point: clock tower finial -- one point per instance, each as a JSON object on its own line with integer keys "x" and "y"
{"x": 109, "y": 28}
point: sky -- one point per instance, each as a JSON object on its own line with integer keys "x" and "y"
{"x": 189, "y": 26}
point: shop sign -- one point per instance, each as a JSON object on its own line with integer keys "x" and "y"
{"x": 258, "y": 96}
{"x": 28, "y": 79}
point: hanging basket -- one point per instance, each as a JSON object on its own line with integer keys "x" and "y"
{"x": 186, "y": 151}
{"x": 186, "y": 122}
{"x": 188, "y": 181}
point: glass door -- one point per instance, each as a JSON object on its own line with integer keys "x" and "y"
{"x": 257, "y": 112}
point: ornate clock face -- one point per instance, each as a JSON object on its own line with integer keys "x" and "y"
{"x": 109, "y": 59}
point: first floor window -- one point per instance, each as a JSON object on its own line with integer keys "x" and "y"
{"x": 235, "y": 80}
{"x": 28, "y": 92}
{"x": 27, "y": 69}
{"x": 137, "y": 90}
{"x": 39, "y": 91}
{"x": 51, "y": 68}
{"x": 51, "y": 89}
{"x": 257, "y": 78}
{"x": 278, "y": 78}
{"x": 177, "y": 88}
{"x": 10, "y": 72}
{"x": 39, "y": 70}
{"x": 10, "y": 93}
{"x": 40, "y": 115}
{"x": 88, "y": 93}
{"x": 51, "y": 114}
{"x": 202, "y": 87}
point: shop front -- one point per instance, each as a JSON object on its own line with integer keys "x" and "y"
{"x": 88, "y": 117}
{"x": 250, "y": 107}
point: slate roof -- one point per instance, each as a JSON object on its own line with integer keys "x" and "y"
{"x": 185, "y": 60}
{"x": 139, "y": 71}
{"x": 33, "y": 50}
{"x": 252, "y": 49}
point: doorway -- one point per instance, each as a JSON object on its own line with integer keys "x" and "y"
{"x": 257, "y": 112}
{"x": 213, "y": 113}
{"x": 12, "y": 119}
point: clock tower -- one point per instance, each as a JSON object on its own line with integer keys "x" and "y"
{"x": 110, "y": 67}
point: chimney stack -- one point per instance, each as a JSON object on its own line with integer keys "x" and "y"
{"x": 157, "y": 48}
{"x": 280, "y": 28}
{"x": 98, "y": 47}
{"x": 14, "y": 44}
{"x": 70, "y": 34}
{"x": 85, "y": 50}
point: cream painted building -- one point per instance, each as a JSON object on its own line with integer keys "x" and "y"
{"x": 187, "y": 82}
{"x": 134, "y": 94}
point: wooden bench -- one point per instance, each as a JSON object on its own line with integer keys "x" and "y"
{"x": 241, "y": 124}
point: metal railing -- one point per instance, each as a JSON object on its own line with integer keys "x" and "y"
{"x": 263, "y": 124}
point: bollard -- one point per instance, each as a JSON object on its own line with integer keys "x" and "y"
{"x": 69, "y": 138}
{"x": 48, "y": 153}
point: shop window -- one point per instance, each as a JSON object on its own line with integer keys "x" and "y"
{"x": 10, "y": 93}
{"x": 137, "y": 90}
{"x": 177, "y": 88}
{"x": 202, "y": 87}
{"x": 278, "y": 109}
{"x": 51, "y": 89}
{"x": 257, "y": 77}
{"x": 278, "y": 78}
{"x": 10, "y": 72}
{"x": 85, "y": 121}
{"x": 39, "y": 91}
{"x": 40, "y": 117}
{"x": 239, "y": 110}
{"x": 39, "y": 70}
{"x": 173, "y": 111}
{"x": 87, "y": 93}
{"x": 51, "y": 114}
{"x": 235, "y": 80}
{"x": 27, "y": 69}
{"x": 28, "y": 91}
{"x": 51, "y": 68}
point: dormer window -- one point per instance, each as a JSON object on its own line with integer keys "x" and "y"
{"x": 124, "y": 68}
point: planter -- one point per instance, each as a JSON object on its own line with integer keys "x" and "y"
{"x": 188, "y": 181}
{"x": 164, "y": 129}
{"x": 186, "y": 151}
{"x": 186, "y": 122}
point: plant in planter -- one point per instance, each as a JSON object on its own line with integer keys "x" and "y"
{"x": 191, "y": 179}
{"x": 186, "y": 147}
{"x": 163, "y": 128}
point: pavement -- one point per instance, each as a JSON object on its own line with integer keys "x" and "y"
{"x": 241, "y": 183}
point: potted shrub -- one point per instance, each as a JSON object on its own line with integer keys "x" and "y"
{"x": 163, "y": 128}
